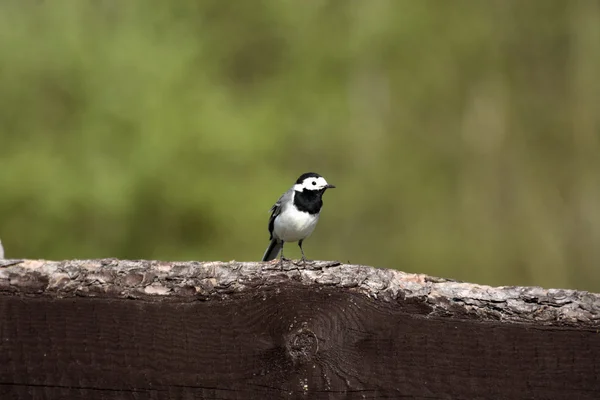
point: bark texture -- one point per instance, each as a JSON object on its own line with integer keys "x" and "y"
{"x": 193, "y": 281}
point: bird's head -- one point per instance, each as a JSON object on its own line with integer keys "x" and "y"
{"x": 312, "y": 182}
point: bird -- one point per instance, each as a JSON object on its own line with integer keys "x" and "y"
{"x": 295, "y": 215}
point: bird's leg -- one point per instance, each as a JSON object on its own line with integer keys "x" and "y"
{"x": 281, "y": 257}
{"x": 302, "y": 251}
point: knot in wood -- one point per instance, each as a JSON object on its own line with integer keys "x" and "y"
{"x": 303, "y": 345}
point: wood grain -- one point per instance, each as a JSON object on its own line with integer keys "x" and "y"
{"x": 109, "y": 329}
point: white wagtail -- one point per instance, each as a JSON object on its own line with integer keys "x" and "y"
{"x": 296, "y": 213}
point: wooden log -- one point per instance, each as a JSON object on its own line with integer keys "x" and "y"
{"x": 112, "y": 329}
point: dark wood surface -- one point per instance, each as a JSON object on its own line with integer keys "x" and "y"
{"x": 108, "y": 329}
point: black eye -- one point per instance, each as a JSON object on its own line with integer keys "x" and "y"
{"x": 314, "y": 183}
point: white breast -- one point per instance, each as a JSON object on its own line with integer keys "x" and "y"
{"x": 293, "y": 225}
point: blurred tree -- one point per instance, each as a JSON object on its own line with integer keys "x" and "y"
{"x": 463, "y": 137}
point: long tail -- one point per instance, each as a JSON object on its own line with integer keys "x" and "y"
{"x": 273, "y": 250}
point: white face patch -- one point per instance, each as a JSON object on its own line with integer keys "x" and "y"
{"x": 311, "y": 183}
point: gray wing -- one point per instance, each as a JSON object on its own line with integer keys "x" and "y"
{"x": 278, "y": 207}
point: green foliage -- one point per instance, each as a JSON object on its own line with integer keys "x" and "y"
{"x": 463, "y": 136}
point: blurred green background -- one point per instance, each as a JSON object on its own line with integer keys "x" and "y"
{"x": 464, "y": 136}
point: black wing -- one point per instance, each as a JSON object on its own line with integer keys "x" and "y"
{"x": 276, "y": 209}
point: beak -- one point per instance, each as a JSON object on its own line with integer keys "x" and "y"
{"x": 330, "y": 187}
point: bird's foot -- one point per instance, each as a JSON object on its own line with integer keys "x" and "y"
{"x": 281, "y": 261}
{"x": 303, "y": 261}
{"x": 278, "y": 260}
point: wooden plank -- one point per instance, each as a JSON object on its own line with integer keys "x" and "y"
{"x": 109, "y": 329}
